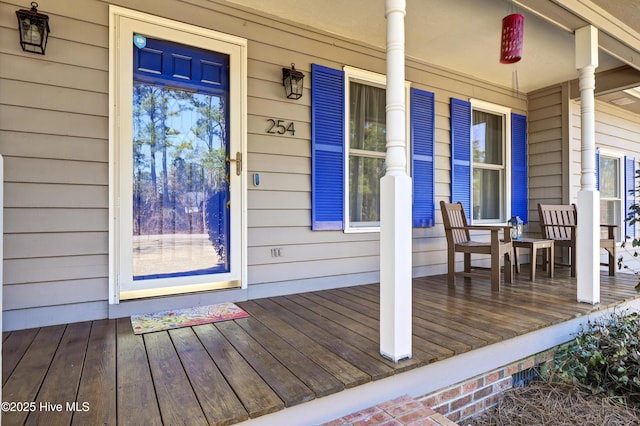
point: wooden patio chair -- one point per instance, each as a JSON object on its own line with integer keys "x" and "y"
{"x": 459, "y": 240}
{"x": 559, "y": 223}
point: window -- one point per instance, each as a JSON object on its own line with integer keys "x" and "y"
{"x": 489, "y": 161}
{"x": 366, "y": 139}
{"x": 615, "y": 179}
{"x": 610, "y": 191}
{"x": 348, "y": 126}
{"x": 488, "y": 147}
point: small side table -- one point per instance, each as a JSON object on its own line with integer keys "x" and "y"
{"x": 534, "y": 244}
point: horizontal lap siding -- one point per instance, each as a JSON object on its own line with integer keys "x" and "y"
{"x": 55, "y": 143}
{"x": 616, "y": 131}
{"x": 53, "y": 136}
{"x": 546, "y": 170}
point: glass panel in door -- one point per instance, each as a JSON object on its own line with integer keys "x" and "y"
{"x": 180, "y": 187}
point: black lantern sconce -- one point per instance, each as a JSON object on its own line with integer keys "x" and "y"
{"x": 34, "y": 29}
{"x": 292, "y": 81}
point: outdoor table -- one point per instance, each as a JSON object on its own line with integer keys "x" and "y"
{"x": 534, "y": 244}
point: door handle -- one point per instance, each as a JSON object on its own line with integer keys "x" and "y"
{"x": 238, "y": 161}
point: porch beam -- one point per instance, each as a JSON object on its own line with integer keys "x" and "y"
{"x": 395, "y": 201}
{"x": 616, "y": 38}
{"x": 588, "y": 232}
{"x": 610, "y": 81}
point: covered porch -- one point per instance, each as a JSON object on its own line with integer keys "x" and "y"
{"x": 300, "y": 359}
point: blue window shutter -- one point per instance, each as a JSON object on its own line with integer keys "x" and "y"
{"x": 327, "y": 148}
{"x": 630, "y": 192}
{"x": 598, "y": 169}
{"x": 519, "y": 174}
{"x": 422, "y": 147}
{"x": 461, "y": 154}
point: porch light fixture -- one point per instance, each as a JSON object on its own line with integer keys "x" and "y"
{"x": 34, "y": 29}
{"x": 516, "y": 225}
{"x": 292, "y": 82}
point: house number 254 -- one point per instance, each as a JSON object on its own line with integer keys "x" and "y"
{"x": 280, "y": 127}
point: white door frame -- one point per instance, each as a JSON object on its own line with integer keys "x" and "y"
{"x": 123, "y": 23}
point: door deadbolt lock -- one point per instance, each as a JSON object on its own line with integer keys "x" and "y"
{"x": 238, "y": 161}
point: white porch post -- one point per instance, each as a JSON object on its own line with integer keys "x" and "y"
{"x": 588, "y": 235}
{"x": 395, "y": 202}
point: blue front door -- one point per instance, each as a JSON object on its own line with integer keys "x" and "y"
{"x": 181, "y": 198}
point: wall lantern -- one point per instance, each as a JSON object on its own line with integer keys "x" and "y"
{"x": 512, "y": 34}
{"x": 516, "y": 225}
{"x": 34, "y": 29}
{"x": 292, "y": 82}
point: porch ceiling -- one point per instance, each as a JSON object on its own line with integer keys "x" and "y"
{"x": 464, "y": 35}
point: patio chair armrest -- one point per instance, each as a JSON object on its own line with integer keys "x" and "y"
{"x": 494, "y": 230}
{"x": 488, "y": 227}
{"x": 610, "y": 230}
{"x": 557, "y": 225}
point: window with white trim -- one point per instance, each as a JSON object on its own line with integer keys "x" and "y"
{"x": 500, "y": 154}
{"x": 365, "y": 115}
{"x": 611, "y": 200}
{"x": 332, "y": 152}
{"x": 490, "y": 137}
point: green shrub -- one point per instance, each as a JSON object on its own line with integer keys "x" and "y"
{"x": 630, "y": 244}
{"x": 604, "y": 357}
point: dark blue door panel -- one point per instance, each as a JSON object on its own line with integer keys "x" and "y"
{"x": 166, "y": 63}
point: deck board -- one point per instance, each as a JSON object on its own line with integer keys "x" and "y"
{"x": 137, "y": 402}
{"x": 24, "y": 384}
{"x": 219, "y": 402}
{"x": 475, "y": 306}
{"x": 441, "y": 320}
{"x": 256, "y": 395}
{"x": 288, "y": 387}
{"x": 435, "y": 351}
{"x": 348, "y": 374}
{"x": 19, "y": 341}
{"x": 374, "y": 366}
{"x": 60, "y": 386}
{"x": 292, "y": 349}
{"x": 321, "y": 382}
{"x": 176, "y": 398}
{"x": 96, "y": 395}
{"x": 348, "y": 329}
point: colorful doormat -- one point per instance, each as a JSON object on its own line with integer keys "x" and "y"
{"x": 178, "y": 318}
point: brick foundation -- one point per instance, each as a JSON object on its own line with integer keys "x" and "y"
{"x": 402, "y": 411}
{"x": 471, "y": 397}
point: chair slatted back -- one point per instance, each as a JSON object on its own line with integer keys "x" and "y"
{"x": 560, "y": 215}
{"x": 453, "y": 216}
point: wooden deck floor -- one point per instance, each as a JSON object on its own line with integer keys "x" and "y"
{"x": 291, "y": 350}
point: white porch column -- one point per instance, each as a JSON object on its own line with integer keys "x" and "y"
{"x": 588, "y": 235}
{"x": 395, "y": 202}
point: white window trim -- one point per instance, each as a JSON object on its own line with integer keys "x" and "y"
{"x": 480, "y": 105}
{"x": 621, "y": 184}
{"x": 372, "y": 79}
{"x": 122, "y": 24}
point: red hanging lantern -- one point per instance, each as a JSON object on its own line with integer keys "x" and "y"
{"x": 512, "y": 32}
